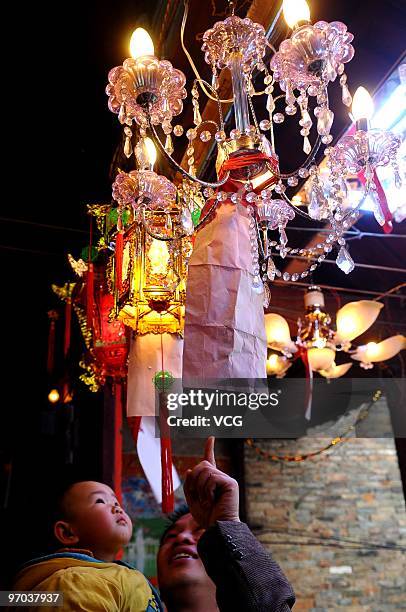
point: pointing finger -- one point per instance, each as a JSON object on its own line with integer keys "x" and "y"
{"x": 209, "y": 450}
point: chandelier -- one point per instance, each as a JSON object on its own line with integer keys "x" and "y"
{"x": 319, "y": 343}
{"x": 147, "y": 94}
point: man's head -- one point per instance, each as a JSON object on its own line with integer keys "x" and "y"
{"x": 89, "y": 516}
{"x": 180, "y": 570}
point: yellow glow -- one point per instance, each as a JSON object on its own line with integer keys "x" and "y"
{"x": 141, "y": 43}
{"x": 53, "y": 396}
{"x": 277, "y": 330}
{"x": 320, "y": 358}
{"x": 355, "y": 318}
{"x": 277, "y": 365}
{"x": 297, "y": 200}
{"x": 158, "y": 255}
{"x": 150, "y": 150}
{"x": 336, "y": 371}
{"x": 380, "y": 351}
{"x": 295, "y": 11}
{"x": 362, "y": 104}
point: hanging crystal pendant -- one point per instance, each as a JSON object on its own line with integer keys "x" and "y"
{"x": 267, "y": 296}
{"x": 270, "y": 104}
{"x": 169, "y": 144}
{"x": 378, "y": 214}
{"x": 187, "y": 221}
{"x": 271, "y": 269}
{"x": 318, "y": 205}
{"x": 127, "y": 147}
{"x": 344, "y": 261}
{"x": 168, "y": 222}
{"x": 306, "y": 120}
{"x": 122, "y": 114}
{"x": 398, "y": 180}
{"x": 325, "y": 119}
{"x": 346, "y": 96}
{"x": 197, "y": 118}
{"x": 306, "y": 145}
{"x": 257, "y": 284}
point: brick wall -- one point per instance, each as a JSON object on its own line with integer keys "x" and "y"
{"x": 352, "y": 492}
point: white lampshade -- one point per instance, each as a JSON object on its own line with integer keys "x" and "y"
{"x": 320, "y": 358}
{"x": 355, "y": 318}
{"x": 336, "y": 371}
{"x": 278, "y": 333}
{"x": 362, "y": 104}
{"x": 276, "y": 365}
{"x": 380, "y": 351}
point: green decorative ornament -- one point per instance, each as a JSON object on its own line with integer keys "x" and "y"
{"x": 163, "y": 380}
{"x": 84, "y": 254}
{"x": 196, "y": 216}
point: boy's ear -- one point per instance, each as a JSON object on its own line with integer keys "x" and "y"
{"x": 64, "y": 533}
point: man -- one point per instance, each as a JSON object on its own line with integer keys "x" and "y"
{"x": 209, "y": 560}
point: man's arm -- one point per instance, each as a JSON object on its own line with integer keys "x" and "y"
{"x": 246, "y": 576}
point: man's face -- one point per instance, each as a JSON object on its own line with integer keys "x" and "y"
{"x": 96, "y": 516}
{"x": 178, "y": 561}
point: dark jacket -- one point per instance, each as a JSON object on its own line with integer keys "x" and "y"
{"x": 246, "y": 576}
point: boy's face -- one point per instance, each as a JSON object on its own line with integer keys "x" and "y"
{"x": 96, "y": 518}
{"x": 178, "y": 561}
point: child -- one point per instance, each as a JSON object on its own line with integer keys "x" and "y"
{"x": 91, "y": 527}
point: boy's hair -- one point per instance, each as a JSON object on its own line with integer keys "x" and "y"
{"x": 173, "y": 518}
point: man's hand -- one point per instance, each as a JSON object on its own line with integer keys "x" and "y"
{"x": 211, "y": 495}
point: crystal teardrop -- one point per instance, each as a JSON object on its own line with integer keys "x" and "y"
{"x": 344, "y": 261}
{"x": 215, "y": 81}
{"x": 168, "y": 222}
{"x": 270, "y": 104}
{"x": 346, "y": 96}
{"x": 127, "y": 147}
{"x": 283, "y": 239}
{"x": 271, "y": 269}
{"x": 169, "y": 144}
{"x": 122, "y": 114}
{"x": 378, "y": 214}
{"x": 398, "y": 180}
{"x": 306, "y": 120}
{"x": 186, "y": 220}
{"x": 307, "y": 147}
{"x": 257, "y": 284}
{"x": 325, "y": 119}
{"x": 267, "y": 296}
{"x": 197, "y": 118}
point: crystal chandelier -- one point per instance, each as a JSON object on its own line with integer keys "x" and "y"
{"x": 147, "y": 95}
{"x": 150, "y": 92}
{"x": 317, "y": 339}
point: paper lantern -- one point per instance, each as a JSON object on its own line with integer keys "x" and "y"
{"x": 355, "y": 318}
{"x": 276, "y": 365}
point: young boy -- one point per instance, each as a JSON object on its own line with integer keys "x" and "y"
{"x": 91, "y": 527}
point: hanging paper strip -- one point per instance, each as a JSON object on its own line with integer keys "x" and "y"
{"x": 118, "y": 439}
{"x": 89, "y": 295}
{"x": 309, "y": 384}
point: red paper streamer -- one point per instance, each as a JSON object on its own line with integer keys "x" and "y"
{"x": 134, "y": 426}
{"x": 118, "y": 440}
{"x": 89, "y": 295}
{"x": 168, "y": 498}
{"x": 383, "y": 202}
{"x": 118, "y": 261}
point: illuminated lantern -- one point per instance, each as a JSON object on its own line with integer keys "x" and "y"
{"x": 355, "y": 318}
{"x": 335, "y": 371}
{"x": 278, "y": 333}
{"x": 374, "y": 352}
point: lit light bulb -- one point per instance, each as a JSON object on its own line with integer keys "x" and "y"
{"x": 354, "y": 318}
{"x": 53, "y": 396}
{"x": 150, "y": 151}
{"x": 141, "y": 43}
{"x": 295, "y": 11}
{"x": 372, "y": 350}
{"x": 158, "y": 256}
{"x": 362, "y": 105}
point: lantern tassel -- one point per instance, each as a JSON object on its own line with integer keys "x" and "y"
{"x": 118, "y": 440}
{"x": 90, "y": 295}
{"x": 118, "y": 261}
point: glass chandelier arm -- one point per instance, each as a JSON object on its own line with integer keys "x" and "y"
{"x": 178, "y": 167}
